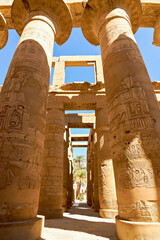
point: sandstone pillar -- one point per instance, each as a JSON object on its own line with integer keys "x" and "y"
{"x": 65, "y": 169}
{"x": 70, "y": 199}
{"x": 22, "y": 116}
{"x": 89, "y": 185}
{"x": 3, "y": 31}
{"x": 51, "y": 194}
{"x": 70, "y": 194}
{"x": 133, "y": 113}
{"x": 59, "y": 74}
{"x": 91, "y": 156}
{"x": 106, "y": 181}
{"x": 95, "y": 169}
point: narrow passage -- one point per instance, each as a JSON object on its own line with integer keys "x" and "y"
{"x": 80, "y": 223}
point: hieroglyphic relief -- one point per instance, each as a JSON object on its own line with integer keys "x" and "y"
{"x": 11, "y": 117}
{"x": 132, "y": 107}
{"x": 147, "y": 211}
{"x": 29, "y": 177}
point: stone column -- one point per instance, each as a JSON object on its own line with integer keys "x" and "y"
{"x": 51, "y": 194}
{"x": 70, "y": 199}
{"x": 70, "y": 172}
{"x": 133, "y": 114}
{"x": 106, "y": 181}
{"x": 3, "y": 31}
{"x": 89, "y": 186}
{"x": 95, "y": 169}
{"x": 92, "y": 166}
{"x": 65, "y": 169}
{"x": 22, "y": 116}
{"x": 59, "y": 74}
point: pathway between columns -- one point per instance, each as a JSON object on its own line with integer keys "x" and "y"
{"x": 80, "y": 223}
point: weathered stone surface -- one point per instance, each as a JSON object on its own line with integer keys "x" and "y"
{"x": 150, "y": 11}
{"x": 23, "y": 101}
{"x": 3, "y": 31}
{"x": 23, "y": 108}
{"x": 65, "y": 169}
{"x": 56, "y": 10}
{"x": 79, "y": 137}
{"x": 80, "y": 120}
{"x": 89, "y": 176}
{"x": 106, "y": 181}
{"x": 51, "y": 194}
{"x": 133, "y": 112}
{"x": 26, "y": 230}
{"x": 95, "y": 169}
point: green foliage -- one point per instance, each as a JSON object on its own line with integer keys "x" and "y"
{"x": 79, "y": 170}
{"x": 81, "y": 197}
{"x": 79, "y": 174}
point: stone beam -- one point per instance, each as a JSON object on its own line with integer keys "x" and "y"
{"x": 79, "y": 145}
{"x": 78, "y": 96}
{"x": 151, "y": 10}
{"x": 80, "y": 120}
{"x": 84, "y": 96}
{"x": 78, "y": 61}
{"x": 79, "y": 137}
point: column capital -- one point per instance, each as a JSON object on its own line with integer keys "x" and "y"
{"x": 3, "y": 31}
{"x": 56, "y": 11}
{"x": 95, "y": 9}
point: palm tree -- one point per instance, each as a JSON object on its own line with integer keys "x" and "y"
{"x": 79, "y": 173}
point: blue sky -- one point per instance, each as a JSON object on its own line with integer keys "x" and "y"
{"x": 77, "y": 45}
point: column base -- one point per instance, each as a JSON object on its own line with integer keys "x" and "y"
{"x": 137, "y": 230}
{"x": 96, "y": 209}
{"x": 54, "y": 213}
{"x": 23, "y": 230}
{"x": 65, "y": 209}
{"x": 108, "y": 213}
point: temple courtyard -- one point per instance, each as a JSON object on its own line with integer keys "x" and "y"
{"x": 80, "y": 223}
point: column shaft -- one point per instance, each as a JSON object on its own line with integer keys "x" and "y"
{"x": 107, "y": 192}
{"x": 95, "y": 166}
{"x": 65, "y": 170}
{"x": 89, "y": 187}
{"x": 51, "y": 194}
{"x": 134, "y": 120}
{"x": 133, "y": 113}
{"x": 23, "y": 108}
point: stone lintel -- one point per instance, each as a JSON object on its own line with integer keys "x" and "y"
{"x": 79, "y": 145}
{"x": 78, "y": 61}
{"x": 83, "y": 96}
{"x": 79, "y": 137}
{"x": 151, "y": 10}
{"x": 78, "y": 96}
{"x": 80, "y": 120}
{"x": 80, "y": 125}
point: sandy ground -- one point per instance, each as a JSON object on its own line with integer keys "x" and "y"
{"x": 80, "y": 223}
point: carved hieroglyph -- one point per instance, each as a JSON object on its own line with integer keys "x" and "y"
{"x": 106, "y": 180}
{"x": 23, "y": 107}
{"x": 133, "y": 111}
{"x": 3, "y": 31}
